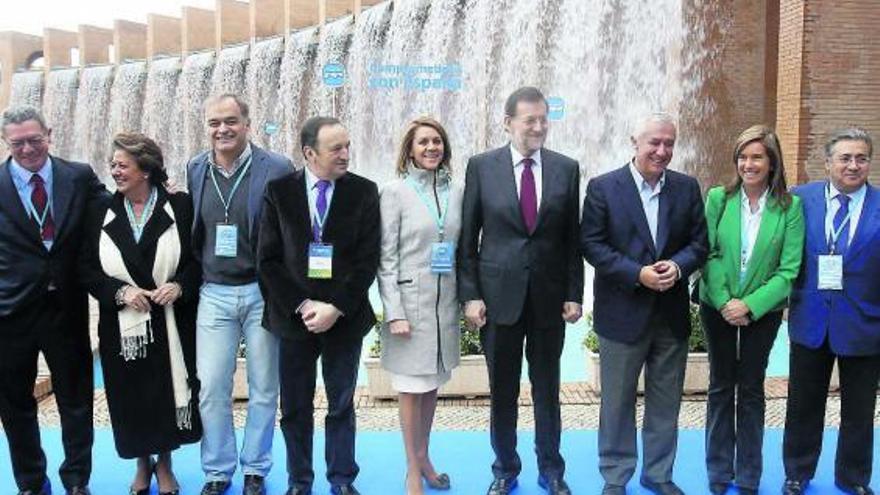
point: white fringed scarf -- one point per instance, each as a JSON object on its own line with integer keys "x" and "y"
{"x": 135, "y": 329}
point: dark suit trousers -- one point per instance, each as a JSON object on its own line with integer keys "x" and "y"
{"x": 735, "y": 409}
{"x": 503, "y": 347}
{"x": 45, "y": 325}
{"x": 809, "y": 375}
{"x": 298, "y": 367}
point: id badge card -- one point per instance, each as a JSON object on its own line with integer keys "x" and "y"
{"x": 831, "y": 272}
{"x": 320, "y": 261}
{"x": 226, "y": 241}
{"x": 442, "y": 257}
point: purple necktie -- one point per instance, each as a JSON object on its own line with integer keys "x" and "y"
{"x": 528, "y": 197}
{"x": 321, "y": 206}
{"x": 40, "y": 200}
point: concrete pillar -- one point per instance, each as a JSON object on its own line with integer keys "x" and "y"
{"x": 130, "y": 40}
{"x": 300, "y": 14}
{"x": 163, "y": 35}
{"x": 198, "y": 30}
{"x": 94, "y": 45}
{"x": 57, "y": 44}
{"x": 266, "y": 18}
{"x": 331, "y": 9}
{"x": 231, "y": 23}
{"x": 16, "y": 51}
{"x": 828, "y": 73}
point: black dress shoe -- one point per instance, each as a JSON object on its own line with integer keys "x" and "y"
{"x": 501, "y": 486}
{"x": 718, "y": 488}
{"x": 441, "y": 482}
{"x": 665, "y": 488}
{"x": 299, "y": 490}
{"x": 79, "y": 490}
{"x": 215, "y": 487}
{"x": 253, "y": 485}
{"x": 554, "y": 486}
{"x": 46, "y": 489}
{"x": 346, "y": 489}
{"x": 794, "y": 487}
{"x": 854, "y": 489}
{"x": 610, "y": 489}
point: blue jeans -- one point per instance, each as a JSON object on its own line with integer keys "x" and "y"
{"x": 226, "y": 313}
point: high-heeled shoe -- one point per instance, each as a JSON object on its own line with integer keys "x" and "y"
{"x": 441, "y": 482}
{"x": 145, "y": 491}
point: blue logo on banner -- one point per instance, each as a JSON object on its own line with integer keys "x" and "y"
{"x": 334, "y": 74}
{"x": 271, "y": 128}
{"x": 556, "y": 108}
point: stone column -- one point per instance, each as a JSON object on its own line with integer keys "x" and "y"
{"x": 16, "y": 51}
{"x": 231, "y": 23}
{"x": 163, "y": 35}
{"x": 94, "y": 45}
{"x": 57, "y": 44}
{"x": 300, "y": 13}
{"x": 266, "y": 18}
{"x": 198, "y": 30}
{"x": 130, "y": 40}
{"x": 331, "y": 9}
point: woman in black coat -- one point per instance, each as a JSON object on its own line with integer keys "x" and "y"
{"x": 137, "y": 262}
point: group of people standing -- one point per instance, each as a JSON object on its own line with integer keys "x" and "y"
{"x": 283, "y": 259}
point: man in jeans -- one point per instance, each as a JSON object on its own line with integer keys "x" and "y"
{"x": 227, "y": 184}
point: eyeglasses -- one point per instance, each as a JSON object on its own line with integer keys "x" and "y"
{"x": 34, "y": 142}
{"x": 846, "y": 159}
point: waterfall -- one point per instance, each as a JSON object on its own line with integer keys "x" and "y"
{"x": 27, "y": 88}
{"x": 58, "y": 105}
{"x": 159, "y": 105}
{"x": 261, "y": 93}
{"x": 229, "y": 76}
{"x": 90, "y": 119}
{"x": 299, "y": 55}
{"x": 189, "y": 123}
{"x": 127, "y": 98}
{"x": 333, "y": 44}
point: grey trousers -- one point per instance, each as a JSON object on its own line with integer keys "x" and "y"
{"x": 663, "y": 356}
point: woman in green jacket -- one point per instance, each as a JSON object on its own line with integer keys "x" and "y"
{"x": 756, "y": 236}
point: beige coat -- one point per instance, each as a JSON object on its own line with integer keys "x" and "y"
{"x": 408, "y": 288}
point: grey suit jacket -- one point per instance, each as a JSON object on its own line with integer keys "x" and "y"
{"x": 498, "y": 260}
{"x": 267, "y": 165}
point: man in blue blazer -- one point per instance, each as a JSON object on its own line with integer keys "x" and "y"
{"x": 644, "y": 232}
{"x": 227, "y": 184}
{"x": 43, "y": 307}
{"x": 835, "y": 314}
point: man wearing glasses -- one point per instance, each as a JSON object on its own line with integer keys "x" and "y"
{"x": 43, "y": 200}
{"x": 835, "y": 315}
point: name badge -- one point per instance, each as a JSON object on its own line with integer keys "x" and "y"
{"x": 226, "y": 241}
{"x": 320, "y": 261}
{"x": 831, "y": 272}
{"x": 442, "y": 257}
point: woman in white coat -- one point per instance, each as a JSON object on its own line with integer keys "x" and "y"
{"x": 421, "y": 217}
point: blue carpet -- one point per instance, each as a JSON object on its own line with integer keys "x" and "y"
{"x": 466, "y": 456}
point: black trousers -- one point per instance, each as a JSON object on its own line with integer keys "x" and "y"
{"x": 810, "y": 373}
{"x": 735, "y": 404}
{"x": 298, "y": 369}
{"x": 56, "y": 327}
{"x": 503, "y": 346}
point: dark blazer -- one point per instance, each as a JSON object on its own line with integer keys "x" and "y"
{"x": 354, "y": 230}
{"x": 266, "y": 165}
{"x": 498, "y": 260}
{"x": 616, "y": 240}
{"x": 849, "y": 318}
{"x": 26, "y": 267}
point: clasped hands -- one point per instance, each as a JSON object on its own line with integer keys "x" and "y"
{"x": 475, "y": 313}
{"x": 660, "y": 276}
{"x": 140, "y": 299}
{"x": 318, "y": 316}
{"x": 736, "y": 313}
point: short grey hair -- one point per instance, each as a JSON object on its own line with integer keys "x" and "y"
{"x": 642, "y": 124}
{"x": 242, "y": 105}
{"x": 848, "y": 134}
{"x": 18, "y": 114}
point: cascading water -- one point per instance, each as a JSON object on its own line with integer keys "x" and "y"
{"x": 58, "y": 104}
{"x": 27, "y": 88}
{"x": 127, "y": 98}
{"x": 159, "y": 105}
{"x": 193, "y": 88}
{"x": 90, "y": 119}
{"x": 261, "y": 91}
{"x": 229, "y": 75}
{"x": 334, "y": 41}
{"x": 299, "y": 56}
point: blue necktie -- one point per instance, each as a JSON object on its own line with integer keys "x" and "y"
{"x": 321, "y": 206}
{"x": 841, "y": 224}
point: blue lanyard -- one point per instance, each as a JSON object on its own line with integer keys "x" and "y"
{"x": 834, "y": 234}
{"x": 438, "y": 216}
{"x": 138, "y": 227}
{"x": 228, "y": 201}
{"x": 40, "y": 217}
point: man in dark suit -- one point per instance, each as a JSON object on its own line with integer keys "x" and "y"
{"x": 43, "y": 307}
{"x": 521, "y": 278}
{"x": 227, "y": 183}
{"x": 644, "y": 232}
{"x": 835, "y": 315}
{"x": 317, "y": 257}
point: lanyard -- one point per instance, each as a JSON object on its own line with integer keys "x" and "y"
{"x": 834, "y": 234}
{"x": 438, "y": 216}
{"x": 319, "y": 220}
{"x": 138, "y": 227}
{"x": 39, "y": 217}
{"x": 228, "y": 201}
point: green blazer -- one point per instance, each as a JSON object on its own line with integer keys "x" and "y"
{"x": 775, "y": 261}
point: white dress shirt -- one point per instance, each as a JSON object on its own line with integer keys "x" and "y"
{"x": 750, "y": 223}
{"x": 518, "y": 170}
{"x": 650, "y": 198}
{"x": 312, "y": 192}
{"x": 832, "y": 204}
{"x": 21, "y": 178}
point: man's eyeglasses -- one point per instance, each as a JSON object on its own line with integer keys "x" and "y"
{"x": 34, "y": 142}
{"x": 846, "y": 159}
